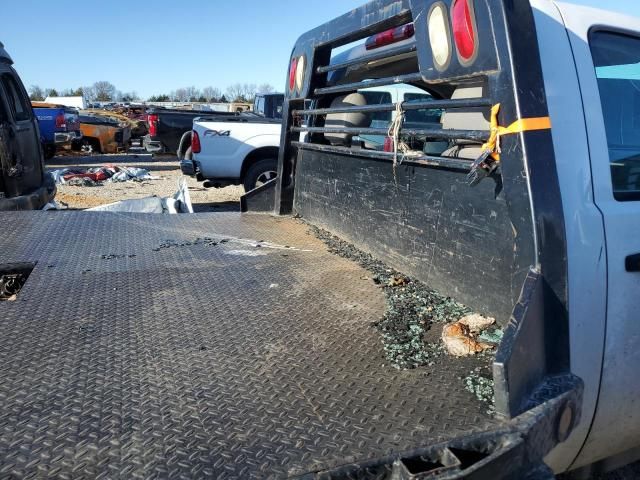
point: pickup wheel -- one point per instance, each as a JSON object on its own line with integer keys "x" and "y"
{"x": 260, "y": 173}
{"x": 90, "y": 146}
{"x": 184, "y": 146}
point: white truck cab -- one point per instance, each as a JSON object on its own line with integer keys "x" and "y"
{"x": 594, "y": 105}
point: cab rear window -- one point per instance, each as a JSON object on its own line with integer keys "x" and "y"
{"x": 421, "y": 116}
{"x": 378, "y": 98}
{"x": 617, "y": 60}
{"x": 18, "y": 104}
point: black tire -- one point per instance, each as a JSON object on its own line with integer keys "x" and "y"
{"x": 185, "y": 144}
{"x": 90, "y": 146}
{"x": 259, "y": 173}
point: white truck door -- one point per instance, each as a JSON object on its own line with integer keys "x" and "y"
{"x": 606, "y": 49}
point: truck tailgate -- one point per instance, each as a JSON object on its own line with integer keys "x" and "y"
{"x": 173, "y": 346}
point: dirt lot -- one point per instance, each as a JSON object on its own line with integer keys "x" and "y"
{"x": 166, "y": 167}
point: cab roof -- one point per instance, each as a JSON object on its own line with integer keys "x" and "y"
{"x": 4, "y": 56}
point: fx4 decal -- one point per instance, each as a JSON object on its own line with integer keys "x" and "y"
{"x": 217, "y": 133}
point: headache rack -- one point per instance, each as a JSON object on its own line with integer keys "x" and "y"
{"x": 422, "y": 213}
{"x": 314, "y": 119}
{"x": 309, "y": 102}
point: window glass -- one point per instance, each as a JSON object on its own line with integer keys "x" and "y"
{"x": 421, "y": 116}
{"x": 617, "y": 61}
{"x": 260, "y": 105}
{"x": 3, "y": 113}
{"x": 278, "y": 103}
{"x": 16, "y": 100}
{"x": 377, "y": 98}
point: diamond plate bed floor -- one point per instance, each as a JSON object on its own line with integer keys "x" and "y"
{"x": 148, "y": 346}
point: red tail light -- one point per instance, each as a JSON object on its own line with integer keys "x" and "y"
{"x": 60, "y": 121}
{"x": 390, "y": 36}
{"x": 153, "y": 124}
{"x": 195, "y": 142}
{"x": 464, "y": 30}
{"x": 292, "y": 73}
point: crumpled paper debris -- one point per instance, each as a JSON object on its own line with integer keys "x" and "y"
{"x": 460, "y": 338}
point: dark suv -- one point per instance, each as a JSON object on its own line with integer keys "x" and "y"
{"x": 24, "y": 184}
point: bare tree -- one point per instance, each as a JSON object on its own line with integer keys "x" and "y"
{"x": 36, "y": 93}
{"x": 234, "y": 92}
{"x": 181, "y": 95}
{"x": 241, "y": 92}
{"x": 266, "y": 88}
{"x": 192, "y": 93}
{"x": 104, "y": 91}
{"x": 211, "y": 94}
{"x": 89, "y": 94}
{"x": 249, "y": 92}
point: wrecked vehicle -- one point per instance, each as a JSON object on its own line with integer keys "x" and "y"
{"x": 102, "y": 134}
{"x": 320, "y": 355}
{"x": 24, "y": 183}
{"x": 59, "y": 126}
{"x": 137, "y": 124}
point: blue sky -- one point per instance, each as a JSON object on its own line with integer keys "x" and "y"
{"x": 158, "y": 46}
{"x": 153, "y": 47}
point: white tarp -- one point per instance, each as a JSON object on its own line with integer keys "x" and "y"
{"x": 179, "y": 202}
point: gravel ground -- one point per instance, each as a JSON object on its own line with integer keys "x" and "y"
{"x": 166, "y": 167}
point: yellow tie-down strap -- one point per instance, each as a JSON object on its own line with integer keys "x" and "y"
{"x": 523, "y": 125}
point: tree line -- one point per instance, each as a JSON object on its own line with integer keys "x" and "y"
{"x": 104, "y": 91}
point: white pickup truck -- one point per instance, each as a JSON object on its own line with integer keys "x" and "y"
{"x": 238, "y": 149}
{"x": 243, "y": 149}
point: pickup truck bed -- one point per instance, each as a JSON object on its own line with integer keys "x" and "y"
{"x": 173, "y": 347}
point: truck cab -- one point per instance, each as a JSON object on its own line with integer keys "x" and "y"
{"x": 268, "y": 105}
{"x": 24, "y": 184}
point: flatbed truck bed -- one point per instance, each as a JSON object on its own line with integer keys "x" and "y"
{"x": 212, "y": 345}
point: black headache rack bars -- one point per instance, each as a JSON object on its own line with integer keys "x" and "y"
{"x": 535, "y": 393}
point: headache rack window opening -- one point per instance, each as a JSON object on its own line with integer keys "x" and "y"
{"x": 425, "y": 112}
{"x": 407, "y": 105}
{"x": 478, "y": 136}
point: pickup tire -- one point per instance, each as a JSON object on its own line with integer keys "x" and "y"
{"x": 185, "y": 145}
{"x": 90, "y": 146}
{"x": 260, "y": 173}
